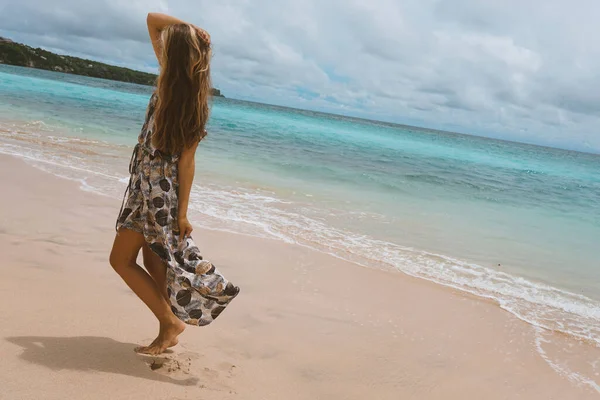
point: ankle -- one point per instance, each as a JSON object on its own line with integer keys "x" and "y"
{"x": 169, "y": 320}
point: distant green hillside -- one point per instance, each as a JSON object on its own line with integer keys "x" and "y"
{"x": 22, "y": 55}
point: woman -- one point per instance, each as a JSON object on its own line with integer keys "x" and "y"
{"x": 179, "y": 285}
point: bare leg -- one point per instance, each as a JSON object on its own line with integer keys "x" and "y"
{"x": 156, "y": 268}
{"x": 123, "y": 259}
{"x": 158, "y": 271}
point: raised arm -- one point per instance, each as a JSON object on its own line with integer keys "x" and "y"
{"x": 156, "y": 23}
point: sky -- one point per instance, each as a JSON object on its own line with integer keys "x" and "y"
{"x": 517, "y": 70}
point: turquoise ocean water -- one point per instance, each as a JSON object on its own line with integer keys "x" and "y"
{"x": 513, "y": 222}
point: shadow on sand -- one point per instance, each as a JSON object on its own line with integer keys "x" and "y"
{"x": 90, "y": 353}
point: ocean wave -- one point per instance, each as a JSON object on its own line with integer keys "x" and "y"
{"x": 537, "y": 303}
{"x": 266, "y": 215}
{"x": 263, "y": 214}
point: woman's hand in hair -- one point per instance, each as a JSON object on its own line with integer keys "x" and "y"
{"x": 203, "y": 35}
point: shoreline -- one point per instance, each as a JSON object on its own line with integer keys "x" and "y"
{"x": 529, "y": 299}
{"x": 355, "y": 331}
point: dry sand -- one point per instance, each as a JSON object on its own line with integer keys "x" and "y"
{"x": 305, "y": 326}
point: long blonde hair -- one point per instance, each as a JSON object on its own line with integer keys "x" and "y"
{"x": 183, "y": 88}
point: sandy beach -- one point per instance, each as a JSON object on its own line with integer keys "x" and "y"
{"x": 305, "y": 326}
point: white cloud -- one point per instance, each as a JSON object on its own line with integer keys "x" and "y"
{"x": 518, "y": 70}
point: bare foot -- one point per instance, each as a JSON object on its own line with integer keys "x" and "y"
{"x": 167, "y": 337}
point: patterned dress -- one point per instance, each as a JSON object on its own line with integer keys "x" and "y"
{"x": 197, "y": 291}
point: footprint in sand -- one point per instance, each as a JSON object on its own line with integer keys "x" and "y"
{"x": 174, "y": 365}
{"x": 228, "y": 368}
{"x": 186, "y": 365}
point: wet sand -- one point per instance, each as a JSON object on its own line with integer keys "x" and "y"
{"x": 305, "y": 326}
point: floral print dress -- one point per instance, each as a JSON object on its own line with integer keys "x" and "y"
{"x": 197, "y": 291}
